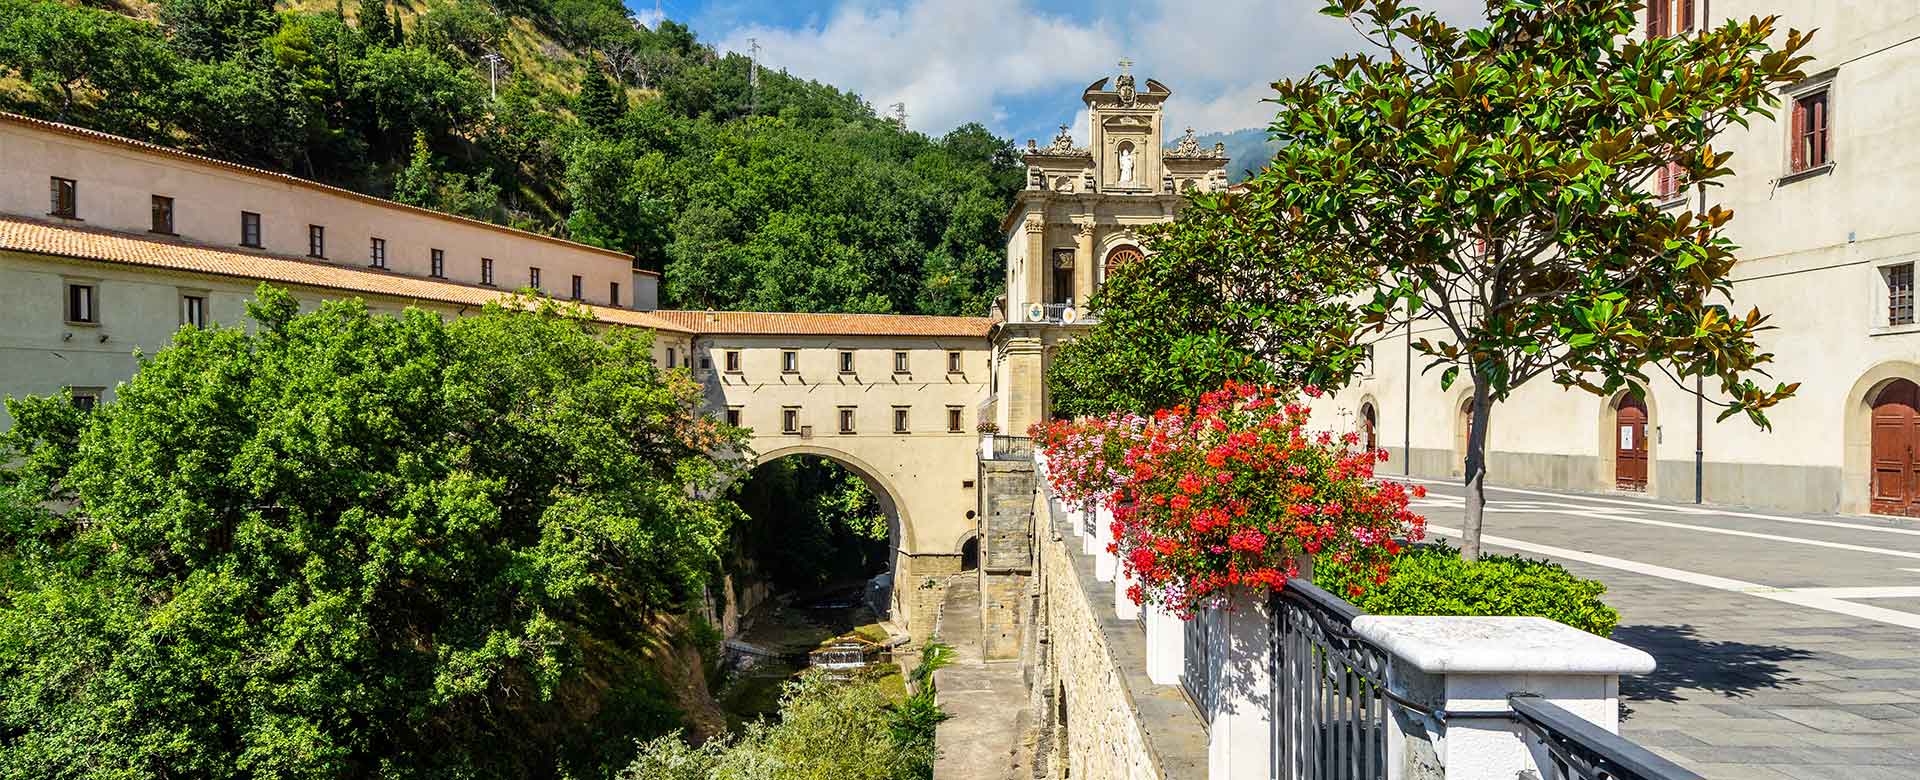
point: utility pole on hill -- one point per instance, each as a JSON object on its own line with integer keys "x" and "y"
{"x": 493, "y": 61}
{"x": 753, "y": 76}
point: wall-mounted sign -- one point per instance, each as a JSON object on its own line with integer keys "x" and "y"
{"x": 1036, "y": 312}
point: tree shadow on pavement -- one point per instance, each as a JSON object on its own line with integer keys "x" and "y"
{"x": 1689, "y": 662}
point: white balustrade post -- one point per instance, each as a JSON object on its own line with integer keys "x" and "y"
{"x": 1103, "y": 561}
{"x": 1090, "y": 542}
{"x": 1166, "y": 645}
{"x": 1240, "y": 741}
{"x": 1466, "y": 665}
{"x": 1123, "y": 580}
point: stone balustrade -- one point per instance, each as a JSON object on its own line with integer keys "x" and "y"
{"x": 1117, "y": 671}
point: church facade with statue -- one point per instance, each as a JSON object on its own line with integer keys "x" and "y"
{"x": 1080, "y": 216}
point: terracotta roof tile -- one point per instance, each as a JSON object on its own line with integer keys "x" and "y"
{"x": 745, "y": 323}
{"x": 122, "y": 141}
{"x": 37, "y": 237}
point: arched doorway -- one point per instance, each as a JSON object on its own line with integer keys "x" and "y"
{"x": 1121, "y": 255}
{"x": 1462, "y": 431}
{"x": 1630, "y": 443}
{"x": 1895, "y": 431}
{"x": 1369, "y": 421}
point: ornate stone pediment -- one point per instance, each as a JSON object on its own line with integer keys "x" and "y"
{"x": 1062, "y": 146}
{"x": 1189, "y": 149}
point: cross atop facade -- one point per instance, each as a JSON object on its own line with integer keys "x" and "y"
{"x": 1126, "y": 66}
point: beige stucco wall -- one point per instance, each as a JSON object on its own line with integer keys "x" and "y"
{"x": 1811, "y": 254}
{"x": 138, "y": 309}
{"x": 116, "y": 184}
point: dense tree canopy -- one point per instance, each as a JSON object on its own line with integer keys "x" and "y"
{"x": 794, "y": 197}
{"x": 354, "y": 545}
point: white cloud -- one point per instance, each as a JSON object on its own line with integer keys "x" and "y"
{"x": 955, "y": 61}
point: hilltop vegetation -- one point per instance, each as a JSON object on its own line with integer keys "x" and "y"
{"x": 793, "y": 196}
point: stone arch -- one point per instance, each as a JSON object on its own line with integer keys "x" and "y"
{"x": 1117, "y": 251}
{"x": 1366, "y": 421}
{"x": 1857, "y": 424}
{"x": 1461, "y": 412}
{"x": 900, "y": 526}
{"x": 1608, "y": 444}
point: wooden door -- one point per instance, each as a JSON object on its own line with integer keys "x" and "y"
{"x": 1896, "y": 435}
{"x": 1630, "y": 449}
{"x": 1462, "y": 435}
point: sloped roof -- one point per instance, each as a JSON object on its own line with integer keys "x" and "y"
{"x": 21, "y": 234}
{"x": 75, "y": 131}
{"x": 751, "y": 323}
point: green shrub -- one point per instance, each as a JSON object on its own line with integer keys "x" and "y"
{"x": 1433, "y": 580}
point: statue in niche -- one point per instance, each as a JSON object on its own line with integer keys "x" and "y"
{"x": 1126, "y": 164}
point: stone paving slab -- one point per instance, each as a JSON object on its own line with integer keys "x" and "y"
{"x": 1747, "y": 688}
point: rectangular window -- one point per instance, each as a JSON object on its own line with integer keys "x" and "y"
{"x": 789, "y": 362}
{"x": 899, "y": 419}
{"x": 953, "y": 363}
{"x": 377, "y": 252}
{"x": 900, "y": 363}
{"x": 193, "y": 310}
{"x": 250, "y": 229}
{"x": 81, "y": 306}
{"x": 486, "y": 271}
{"x": 790, "y": 419}
{"x": 316, "y": 241}
{"x": 163, "y": 214}
{"x": 1900, "y": 294}
{"x": 1669, "y": 17}
{"x": 846, "y": 419}
{"x": 733, "y": 361}
{"x": 533, "y": 278}
{"x": 576, "y": 291}
{"x": 953, "y": 419}
{"x": 733, "y": 416}
{"x": 706, "y": 362}
{"x": 437, "y": 263}
{"x": 85, "y": 398}
{"x": 671, "y": 357}
{"x": 846, "y": 361}
{"x": 1811, "y": 147}
{"x": 1670, "y": 180}
{"x": 64, "y": 198}
{"x": 613, "y": 294}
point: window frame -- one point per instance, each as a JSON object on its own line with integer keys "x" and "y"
{"x": 63, "y": 197}
{"x": 252, "y": 230}
{"x": 317, "y": 241}
{"x": 902, "y": 419}
{"x": 847, "y": 364}
{"x": 533, "y": 277}
{"x": 790, "y": 420}
{"x": 70, "y": 304}
{"x": 849, "y": 420}
{"x": 956, "y": 364}
{"x": 613, "y": 294}
{"x": 733, "y": 416}
{"x": 956, "y": 419}
{"x": 376, "y": 252}
{"x": 162, "y": 208}
{"x": 732, "y": 361}
{"x": 1899, "y": 299}
{"x": 190, "y": 300}
{"x": 902, "y": 362}
{"x": 673, "y": 355}
{"x": 789, "y": 361}
{"x": 486, "y": 271}
{"x": 578, "y": 289}
{"x": 94, "y": 396}
{"x": 1794, "y": 162}
{"x": 437, "y": 263}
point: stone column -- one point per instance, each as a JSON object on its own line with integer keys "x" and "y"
{"x": 1026, "y": 384}
{"x": 1038, "y": 268}
{"x": 1083, "y": 262}
{"x": 1240, "y": 741}
{"x": 1166, "y": 645}
{"x": 1466, "y": 665}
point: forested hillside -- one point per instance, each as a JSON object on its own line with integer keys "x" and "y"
{"x": 794, "y": 196}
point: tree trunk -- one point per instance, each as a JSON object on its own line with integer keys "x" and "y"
{"x": 1476, "y": 473}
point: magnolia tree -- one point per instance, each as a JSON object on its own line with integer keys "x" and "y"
{"x": 1235, "y": 491}
{"x": 1500, "y": 182}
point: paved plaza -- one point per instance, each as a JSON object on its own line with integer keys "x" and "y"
{"x": 1789, "y": 645}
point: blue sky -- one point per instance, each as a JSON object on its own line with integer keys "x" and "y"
{"x": 1018, "y": 66}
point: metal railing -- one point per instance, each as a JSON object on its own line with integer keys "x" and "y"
{"x": 1580, "y": 750}
{"x": 1005, "y": 447}
{"x": 1329, "y": 690}
{"x": 1201, "y": 661}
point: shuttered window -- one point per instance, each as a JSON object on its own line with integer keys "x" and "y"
{"x": 1811, "y": 145}
{"x": 64, "y": 198}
